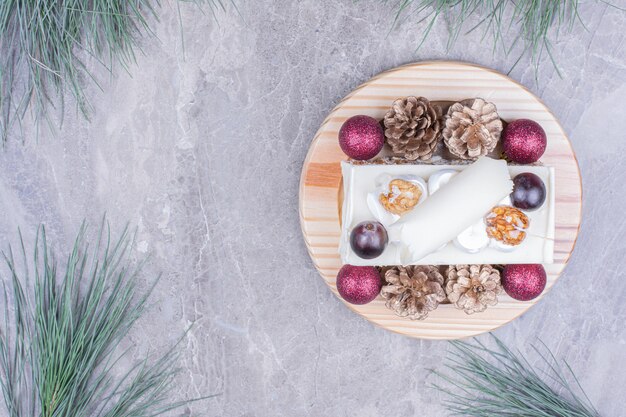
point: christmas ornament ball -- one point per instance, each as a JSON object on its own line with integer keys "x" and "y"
{"x": 524, "y": 282}
{"x": 361, "y": 137}
{"x": 524, "y": 141}
{"x": 358, "y": 284}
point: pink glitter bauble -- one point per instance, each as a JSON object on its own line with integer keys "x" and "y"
{"x": 524, "y": 141}
{"x": 361, "y": 137}
{"x": 358, "y": 284}
{"x": 524, "y": 282}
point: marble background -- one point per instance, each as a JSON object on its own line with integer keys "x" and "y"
{"x": 202, "y": 149}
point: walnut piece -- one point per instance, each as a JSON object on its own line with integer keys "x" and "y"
{"x": 507, "y": 224}
{"x": 401, "y": 197}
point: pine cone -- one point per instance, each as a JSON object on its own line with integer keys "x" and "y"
{"x": 472, "y": 128}
{"x": 473, "y": 287}
{"x": 413, "y": 291}
{"x": 412, "y": 128}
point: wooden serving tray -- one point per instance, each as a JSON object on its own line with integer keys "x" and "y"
{"x": 320, "y": 184}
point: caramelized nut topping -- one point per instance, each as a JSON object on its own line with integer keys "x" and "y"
{"x": 401, "y": 197}
{"x": 507, "y": 224}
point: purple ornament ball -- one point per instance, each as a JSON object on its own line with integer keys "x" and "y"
{"x": 524, "y": 141}
{"x": 361, "y": 137}
{"x": 524, "y": 282}
{"x": 358, "y": 284}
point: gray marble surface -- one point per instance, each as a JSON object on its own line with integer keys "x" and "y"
{"x": 202, "y": 151}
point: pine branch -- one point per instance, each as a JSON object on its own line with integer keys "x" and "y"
{"x": 483, "y": 381}
{"x": 58, "y": 342}
{"x": 44, "y": 45}
{"x": 532, "y": 22}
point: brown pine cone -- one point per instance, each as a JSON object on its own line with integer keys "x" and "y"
{"x": 413, "y": 291}
{"x": 412, "y": 128}
{"x": 473, "y": 287}
{"x": 472, "y": 128}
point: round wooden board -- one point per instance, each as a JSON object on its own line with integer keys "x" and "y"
{"x": 320, "y": 184}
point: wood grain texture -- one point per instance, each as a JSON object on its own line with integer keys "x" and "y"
{"x": 320, "y": 183}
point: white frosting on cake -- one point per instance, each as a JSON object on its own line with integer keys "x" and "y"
{"x": 456, "y": 206}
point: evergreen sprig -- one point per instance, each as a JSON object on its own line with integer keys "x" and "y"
{"x": 60, "y": 333}
{"x": 46, "y": 46}
{"x": 487, "y": 382}
{"x": 530, "y": 22}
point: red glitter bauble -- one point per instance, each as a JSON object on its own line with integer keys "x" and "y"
{"x": 358, "y": 284}
{"x": 524, "y": 282}
{"x": 524, "y": 141}
{"x": 361, "y": 137}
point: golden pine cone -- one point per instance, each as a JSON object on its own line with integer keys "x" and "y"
{"x": 413, "y": 291}
{"x": 472, "y": 128}
{"x": 473, "y": 287}
{"x": 412, "y": 128}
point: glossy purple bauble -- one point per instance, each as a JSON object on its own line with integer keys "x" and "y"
{"x": 361, "y": 137}
{"x": 529, "y": 191}
{"x": 368, "y": 239}
{"x": 358, "y": 284}
{"x": 524, "y": 141}
{"x": 524, "y": 282}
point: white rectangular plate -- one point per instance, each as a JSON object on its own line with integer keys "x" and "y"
{"x": 359, "y": 180}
